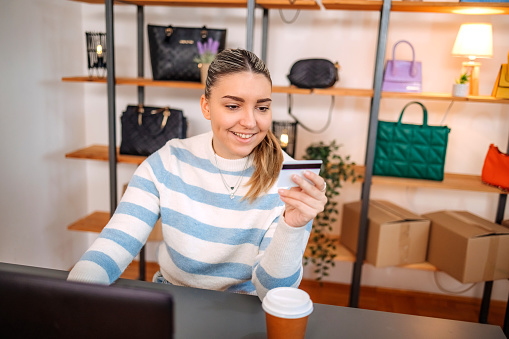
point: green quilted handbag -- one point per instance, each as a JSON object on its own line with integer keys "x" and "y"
{"x": 411, "y": 151}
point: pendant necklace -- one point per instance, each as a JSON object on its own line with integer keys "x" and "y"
{"x": 231, "y": 189}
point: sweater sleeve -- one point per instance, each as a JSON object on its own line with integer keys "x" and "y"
{"x": 124, "y": 235}
{"x": 280, "y": 265}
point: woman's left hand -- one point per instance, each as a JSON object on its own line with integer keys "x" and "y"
{"x": 303, "y": 203}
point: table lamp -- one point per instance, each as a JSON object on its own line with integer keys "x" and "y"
{"x": 286, "y": 134}
{"x": 96, "y": 53}
{"x": 473, "y": 41}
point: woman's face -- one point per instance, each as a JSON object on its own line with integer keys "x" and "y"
{"x": 239, "y": 112}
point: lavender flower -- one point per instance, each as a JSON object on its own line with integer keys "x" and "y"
{"x": 207, "y": 51}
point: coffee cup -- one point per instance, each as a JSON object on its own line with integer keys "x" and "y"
{"x": 286, "y": 312}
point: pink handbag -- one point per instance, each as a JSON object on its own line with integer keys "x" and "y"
{"x": 402, "y": 75}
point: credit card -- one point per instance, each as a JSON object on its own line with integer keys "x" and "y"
{"x": 297, "y": 167}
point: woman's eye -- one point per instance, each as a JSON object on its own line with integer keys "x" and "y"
{"x": 263, "y": 108}
{"x": 232, "y": 107}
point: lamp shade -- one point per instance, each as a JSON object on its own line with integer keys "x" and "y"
{"x": 474, "y": 41}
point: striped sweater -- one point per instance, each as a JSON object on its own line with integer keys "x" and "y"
{"x": 210, "y": 240}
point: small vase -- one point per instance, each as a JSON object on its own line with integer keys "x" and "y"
{"x": 204, "y": 70}
{"x": 460, "y": 90}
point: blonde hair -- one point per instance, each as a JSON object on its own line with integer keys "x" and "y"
{"x": 268, "y": 156}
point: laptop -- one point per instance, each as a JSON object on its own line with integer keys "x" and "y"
{"x": 33, "y": 306}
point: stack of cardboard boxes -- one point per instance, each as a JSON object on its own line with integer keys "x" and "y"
{"x": 467, "y": 247}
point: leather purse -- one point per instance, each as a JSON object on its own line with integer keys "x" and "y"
{"x": 172, "y": 50}
{"x": 411, "y": 151}
{"x": 495, "y": 171}
{"x": 314, "y": 73}
{"x": 145, "y": 129}
{"x": 402, "y": 75}
{"x": 501, "y": 88}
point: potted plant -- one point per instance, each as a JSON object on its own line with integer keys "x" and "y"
{"x": 461, "y": 86}
{"x": 321, "y": 249}
{"x": 206, "y": 53}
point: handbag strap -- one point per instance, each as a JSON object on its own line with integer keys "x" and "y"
{"x": 424, "y": 113}
{"x": 413, "y": 68}
{"x": 165, "y": 110}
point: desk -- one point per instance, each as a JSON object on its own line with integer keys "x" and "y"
{"x": 212, "y": 314}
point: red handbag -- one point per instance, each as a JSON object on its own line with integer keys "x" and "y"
{"x": 495, "y": 171}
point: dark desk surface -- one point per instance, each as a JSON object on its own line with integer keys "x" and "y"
{"x": 206, "y": 314}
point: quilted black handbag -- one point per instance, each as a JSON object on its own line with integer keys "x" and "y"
{"x": 314, "y": 73}
{"x": 146, "y": 129}
{"x": 172, "y": 50}
{"x": 411, "y": 151}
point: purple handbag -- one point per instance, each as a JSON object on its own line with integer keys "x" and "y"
{"x": 402, "y": 75}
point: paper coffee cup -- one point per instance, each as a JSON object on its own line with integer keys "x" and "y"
{"x": 287, "y": 310}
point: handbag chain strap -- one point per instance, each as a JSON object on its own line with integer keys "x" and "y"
{"x": 413, "y": 69}
{"x": 165, "y": 110}
{"x": 424, "y": 113}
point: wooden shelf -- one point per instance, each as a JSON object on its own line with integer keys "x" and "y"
{"x": 269, "y": 4}
{"x": 354, "y": 5}
{"x": 443, "y": 97}
{"x": 338, "y": 91}
{"x": 137, "y": 82}
{"x": 176, "y": 3}
{"x": 285, "y": 4}
{"x": 100, "y": 152}
{"x": 453, "y": 181}
{"x": 96, "y": 221}
{"x": 344, "y": 92}
{"x": 420, "y": 6}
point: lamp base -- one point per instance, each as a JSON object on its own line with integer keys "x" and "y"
{"x": 472, "y": 68}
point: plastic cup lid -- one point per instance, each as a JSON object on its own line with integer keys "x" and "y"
{"x": 287, "y": 302}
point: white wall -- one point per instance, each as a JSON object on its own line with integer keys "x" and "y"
{"x": 41, "y": 119}
{"x": 348, "y": 37}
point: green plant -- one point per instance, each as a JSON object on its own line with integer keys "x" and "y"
{"x": 463, "y": 79}
{"x": 335, "y": 170}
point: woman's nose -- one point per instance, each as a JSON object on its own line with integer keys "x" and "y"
{"x": 248, "y": 119}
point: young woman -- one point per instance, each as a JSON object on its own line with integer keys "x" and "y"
{"x": 225, "y": 224}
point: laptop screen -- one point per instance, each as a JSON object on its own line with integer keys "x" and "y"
{"x": 33, "y": 306}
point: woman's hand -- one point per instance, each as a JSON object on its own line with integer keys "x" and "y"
{"x": 303, "y": 203}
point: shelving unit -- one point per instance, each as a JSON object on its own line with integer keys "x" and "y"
{"x": 452, "y": 181}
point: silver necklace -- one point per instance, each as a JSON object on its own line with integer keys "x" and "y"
{"x": 231, "y": 189}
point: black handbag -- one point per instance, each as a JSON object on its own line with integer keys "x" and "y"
{"x": 172, "y": 50}
{"x": 146, "y": 129}
{"x": 314, "y": 73}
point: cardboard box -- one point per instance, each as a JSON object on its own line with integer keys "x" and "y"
{"x": 396, "y": 236}
{"x": 468, "y": 247}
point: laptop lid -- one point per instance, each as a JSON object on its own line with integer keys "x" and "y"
{"x": 33, "y": 306}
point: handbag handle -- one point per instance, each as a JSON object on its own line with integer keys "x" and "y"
{"x": 424, "y": 113}
{"x": 204, "y": 33}
{"x": 413, "y": 69}
{"x": 165, "y": 110}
